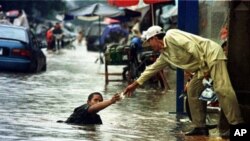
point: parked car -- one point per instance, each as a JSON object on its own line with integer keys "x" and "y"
{"x": 20, "y": 50}
{"x": 93, "y": 34}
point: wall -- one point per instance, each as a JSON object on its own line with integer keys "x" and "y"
{"x": 239, "y": 53}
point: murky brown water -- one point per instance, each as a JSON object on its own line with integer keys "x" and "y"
{"x": 30, "y": 105}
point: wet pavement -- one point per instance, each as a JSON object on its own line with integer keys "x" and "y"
{"x": 30, "y": 105}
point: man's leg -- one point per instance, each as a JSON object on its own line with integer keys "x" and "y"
{"x": 223, "y": 124}
{"x": 197, "y": 107}
{"x": 226, "y": 95}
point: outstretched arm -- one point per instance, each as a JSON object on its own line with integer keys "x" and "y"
{"x": 104, "y": 104}
{"x": 131, "y": 88}
{"x": 148, "y": 73}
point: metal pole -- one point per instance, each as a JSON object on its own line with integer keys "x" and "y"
{"x": 188, "y": 20}
{"x": 152, "y": 13}
{"x": 100, "y": 52}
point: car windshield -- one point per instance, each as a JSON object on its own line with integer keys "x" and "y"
{"x": 13, "y": 33}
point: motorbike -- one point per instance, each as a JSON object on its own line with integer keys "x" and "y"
{"x": 138, "y": 60}
{"x": 212, "y": 105}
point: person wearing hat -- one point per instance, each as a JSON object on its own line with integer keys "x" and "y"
{"x": 196, "y": 54}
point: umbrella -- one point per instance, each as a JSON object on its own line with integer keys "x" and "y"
{"x": 173, "y": 11}
{"x": 12, "y": 13}
{"x": 111, "y": 21}
{"x": 128, "y": 15}
{"x": 125, "y": 3}
{"x": 97, "y": 9}
{"x": 113, "y": 32}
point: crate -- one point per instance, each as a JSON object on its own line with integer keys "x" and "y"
{"x": 115, "y": 54}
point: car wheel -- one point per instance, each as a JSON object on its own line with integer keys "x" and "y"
{"x": 44, "y": 68}
{"x": 34, "y": 67}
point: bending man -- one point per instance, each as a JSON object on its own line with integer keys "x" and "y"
{"x": 193, "y": 54}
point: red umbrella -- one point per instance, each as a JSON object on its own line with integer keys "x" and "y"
{"x": 126, "y": 3}
{"x": 110, "y": 20}
{"x": 123, "y": 3}
{"x": 12, "y": 13}
{"x": 155, "y": 1}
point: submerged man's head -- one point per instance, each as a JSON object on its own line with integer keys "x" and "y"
{"x": 94, "y": 98}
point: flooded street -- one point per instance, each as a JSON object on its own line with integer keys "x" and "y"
{"x": 30, "y": 105}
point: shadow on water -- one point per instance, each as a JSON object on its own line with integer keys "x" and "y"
{"x": 30, "y": 104}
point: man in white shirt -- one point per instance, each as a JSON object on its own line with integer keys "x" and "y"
{"x": 21, "y": 20}
{"x": 196, "y": 54}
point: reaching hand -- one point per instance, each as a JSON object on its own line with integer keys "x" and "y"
{"x": 131, "y": 88}
{"x": 115, "y": 98}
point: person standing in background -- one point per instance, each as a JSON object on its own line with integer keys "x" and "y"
{"x": 21, "y": 20}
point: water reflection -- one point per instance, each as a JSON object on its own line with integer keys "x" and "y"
{"x": 30, "y": 105}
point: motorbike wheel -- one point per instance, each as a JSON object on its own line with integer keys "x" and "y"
{"x": 34, "y": 66}
{"x": 129, "y": 73}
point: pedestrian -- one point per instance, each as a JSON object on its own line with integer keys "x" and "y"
{"x": 22, "y": 19}
{"x": 80, "y": 37}
{"x": 196, "y": 54}
{"x": 87, "y": 113}
{"x": 58, "y": 35}
{"x": 50, "y": 39}
{"x": 3, "y": 20}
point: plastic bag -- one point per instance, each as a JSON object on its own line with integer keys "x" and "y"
{"x": 208, "y": 93}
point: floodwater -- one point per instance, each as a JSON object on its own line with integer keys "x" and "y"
{"x": 30, "y": 104}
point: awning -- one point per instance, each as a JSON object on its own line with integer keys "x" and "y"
{"x": 127, "y": 3}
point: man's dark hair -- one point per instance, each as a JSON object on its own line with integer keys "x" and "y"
{"x": 160, "y": 36}
{"x": 224, "y": 44}
{"x": 92, "y": 95}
